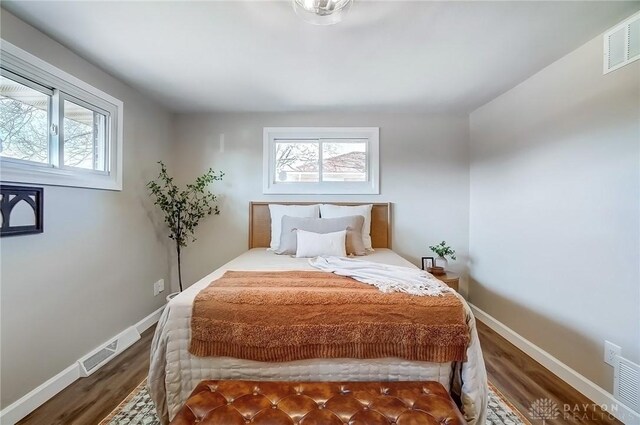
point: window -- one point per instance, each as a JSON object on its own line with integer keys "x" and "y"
{"x": 321, "y": 160}
{"x": 622, "y": 44}
{"x": 54, "y": 128}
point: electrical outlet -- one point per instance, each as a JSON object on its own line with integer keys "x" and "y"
{"x": 158, "y": 287}
{"x": 610, "y": 352}
{"x": 161, "y": 285}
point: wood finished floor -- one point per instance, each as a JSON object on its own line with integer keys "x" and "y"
{"x": 89, "y": 400}
{"x": 520, "y": 378}
{"x": 523, "y": 380}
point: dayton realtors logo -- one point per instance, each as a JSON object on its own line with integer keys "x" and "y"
{"x": 544, "y": 409}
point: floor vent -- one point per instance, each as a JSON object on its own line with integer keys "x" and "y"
{"x": 626, "y": 383}
{"x": 101, "y": 355}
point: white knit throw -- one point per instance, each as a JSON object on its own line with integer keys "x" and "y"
{"x": 385, "y": 277}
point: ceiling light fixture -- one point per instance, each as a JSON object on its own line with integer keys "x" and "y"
{"x": 321, "y": 12}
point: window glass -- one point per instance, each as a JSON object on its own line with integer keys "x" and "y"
{"x": 84, "y": 137}
{"x": 297, "y": 161}
{"x": 634, "y": 39}
{"x": 24, "y": 122}
{"x": 617, "y": 48}
{"x": 344, "y": 161}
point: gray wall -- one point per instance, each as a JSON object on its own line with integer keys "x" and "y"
{"x": 90, "y": 274}
{"x": 550, "y": 193}
{"x": 554, "y": 214}
{"x": 424, "y": 171}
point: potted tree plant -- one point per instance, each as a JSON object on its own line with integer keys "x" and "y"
{"x": 442, "y": 250}
{"x": 183, "y": 209}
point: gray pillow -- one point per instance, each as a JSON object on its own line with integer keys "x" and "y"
{"x": 352, "y": 224}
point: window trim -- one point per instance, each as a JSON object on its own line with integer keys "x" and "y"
{"x": 369, "y": 187}
{"x": 64, "y": 86}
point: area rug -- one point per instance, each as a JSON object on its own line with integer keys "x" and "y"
{"x": 138, "y": 409}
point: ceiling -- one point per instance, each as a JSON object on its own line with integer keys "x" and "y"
{"x": 259, "y": 56}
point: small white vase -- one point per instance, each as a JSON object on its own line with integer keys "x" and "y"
{"x": 442, "y": 262}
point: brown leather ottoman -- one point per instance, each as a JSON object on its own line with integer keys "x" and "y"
{"x": 319, "y": 403}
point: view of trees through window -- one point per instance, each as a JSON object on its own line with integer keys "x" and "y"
{"x": 342, "y": 161}
{"x": 24, "y": 128}
{"x": 83, "y": 141}
{"x": 24, "y": 122}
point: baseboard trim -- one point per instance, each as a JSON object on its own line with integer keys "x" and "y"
{"x": 579, "y": 382}
{"x": 149, "y": 321}
{"x": 38, "y": 396}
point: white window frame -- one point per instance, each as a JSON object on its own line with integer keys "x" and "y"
{"x": 63, "y": 86}
{"x": 370, "y": 134}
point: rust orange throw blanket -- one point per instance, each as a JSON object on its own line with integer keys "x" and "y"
{"x": 294, "y": 315}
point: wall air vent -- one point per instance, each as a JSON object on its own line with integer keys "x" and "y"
{"x": 101, "y": 355}
{"x": 91, "y": 362}
{"x": 622, "y": 44}
{"x": 626, "y": 383}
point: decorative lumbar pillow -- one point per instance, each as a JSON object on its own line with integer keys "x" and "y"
{"x": 353, "y": 226}
{"x": 333, "y": 211}
{"x": 278, "y": 211}
{"x": 312, "y": 244}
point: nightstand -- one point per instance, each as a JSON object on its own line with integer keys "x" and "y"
{"x": 451, "y": 279}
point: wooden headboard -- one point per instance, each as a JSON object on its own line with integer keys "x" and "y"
{"x": 260, "y": 222}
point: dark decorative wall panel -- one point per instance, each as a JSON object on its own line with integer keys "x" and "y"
{"x": 23, "y": 197}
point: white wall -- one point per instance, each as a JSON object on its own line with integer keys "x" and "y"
{"x": 554, "y": 214}
{"x": 90, "y": 274}
{"x": 424, "y": 172}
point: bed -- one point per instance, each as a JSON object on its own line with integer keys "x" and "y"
{"x": 174, "y": 372}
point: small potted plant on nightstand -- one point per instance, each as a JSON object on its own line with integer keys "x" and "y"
{"x": 442, "y": 250}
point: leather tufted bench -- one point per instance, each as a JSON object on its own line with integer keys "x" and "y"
{"x": 319, "y": 403}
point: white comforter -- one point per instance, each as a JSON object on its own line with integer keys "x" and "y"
{"x": 174, "y": 372}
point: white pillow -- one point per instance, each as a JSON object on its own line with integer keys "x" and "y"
{"x": 334, "y": 211}
{"x": 278, "y": 211}
{"x": 314, "y": 244}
